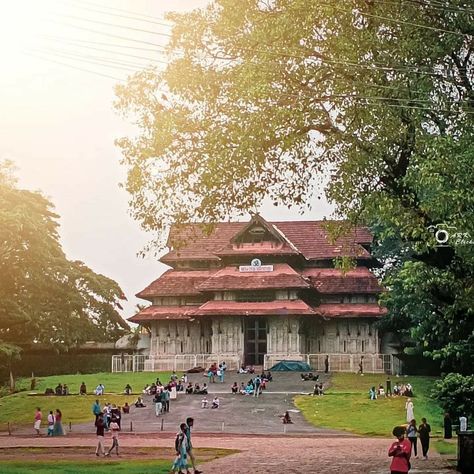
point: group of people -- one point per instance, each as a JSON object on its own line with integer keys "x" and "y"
{"x": 216, "y": 371}
{"x": 54, "y": 422}
{"x": 184, "y": 449}
{"x": 60, "y": 390}
{"x": 254, "y": 386}
{"x": 405, "y": 390}
{"x": 196, "y": 389}
{"x": 401, "y": 450}
{"x": 309, "y": 376}
{"x": 215, "y": 402}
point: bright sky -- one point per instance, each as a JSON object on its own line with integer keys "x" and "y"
{"x": 60, "y": 60}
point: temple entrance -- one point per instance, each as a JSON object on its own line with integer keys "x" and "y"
{"x": 255, "y": 340}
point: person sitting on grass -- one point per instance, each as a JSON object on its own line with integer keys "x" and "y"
{"x": 234, "y": 388}
{"x": 65, "y": 389}
{"x": 215, "y": 403}
{"x": 59, "y": 389}
{"x": 373, "y": 394}
{"x": 83, "y": 389}
{"x": 99, "y": 390}
{"x": 318, "y": 389}
{"x": 128, "y": 389}
{"x": 139, "y": 403}
{"x": 286, "y": 419}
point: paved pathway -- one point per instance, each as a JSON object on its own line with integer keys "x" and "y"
{"x": 237, "y": 413}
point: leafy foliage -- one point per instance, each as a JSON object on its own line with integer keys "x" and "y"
{"x": 44, "y": 297}
{"x": 369, "y": 102}
{"x": 456, "y": 395}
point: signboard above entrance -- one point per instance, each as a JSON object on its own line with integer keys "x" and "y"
{"x": 255, "y": 266}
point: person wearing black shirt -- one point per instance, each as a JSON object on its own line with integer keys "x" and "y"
{"x": 424, "y": 433}
{"x": 100, "y": 427}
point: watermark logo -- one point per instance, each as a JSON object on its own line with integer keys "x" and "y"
{"x": 447, "y": 235}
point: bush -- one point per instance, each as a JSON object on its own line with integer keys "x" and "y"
{"x": 455, "y": 394}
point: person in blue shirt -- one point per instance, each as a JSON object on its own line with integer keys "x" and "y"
{"x": 189, "y": 425}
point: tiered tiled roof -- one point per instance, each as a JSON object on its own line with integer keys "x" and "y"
{"x": 333, "y": 281}
{"x": 237, "y": 308}
{"x": 153, "y": 313}
{"x": 309, "y": 238}
{"x": 350, "y": 310}
{"x": 230, "y": 278}
{"x": 176, "y": 283}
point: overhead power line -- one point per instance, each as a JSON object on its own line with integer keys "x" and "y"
{"x": 115, "y": 9}
{"x": 77, "y": 42}
{"x": 103, "y": 33}
{"x": 120, "y": 15}
{"x": 114, "y": 25}
{"x": 108, "y": 76}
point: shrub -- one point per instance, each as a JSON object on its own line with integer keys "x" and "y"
{"x": 455, "y": 394}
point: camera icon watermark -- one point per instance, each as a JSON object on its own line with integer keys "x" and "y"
{"x": 447, "y": 235}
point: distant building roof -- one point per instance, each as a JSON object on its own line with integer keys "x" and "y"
{"x": 230, "y": 278}
{"x": 153, "y": 313}
{"x": 311, "y": 239}
{"x": 354, "y": 310}
{"x": 333, "y": 281}
{"x": 241, "y": 308}
{"x": 176, "y": 283}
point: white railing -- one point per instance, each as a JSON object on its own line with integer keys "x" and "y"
{"x": 371, "y": 363}
{"x": 178, "y": 363}
{"x": 128, "y": 363}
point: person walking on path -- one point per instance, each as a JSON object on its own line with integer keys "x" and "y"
{"x": 257, "y": 381}
{"x": 189, "y": 444}
{"x": 58, "y": 426}
{"x": 96, "y": 409}
{"x": 50, "y": 423}
{"x": 412, "y": 431}
{"x": 400, "y": 452}
{"x": 100, "y": 428}
{"x": 38, "y": 418}
{"x": 424, "y": 431}
{"x": 180, "y": 445}
{"x": 114, "y": 428}
{"x": 410, "y": 408}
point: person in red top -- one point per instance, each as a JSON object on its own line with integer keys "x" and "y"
{"x": 400, "y": 451}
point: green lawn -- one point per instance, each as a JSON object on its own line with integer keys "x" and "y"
{"x": 96, "y": 467}
{"x": 19, "y": 408}
{"x": 346, "y": 405}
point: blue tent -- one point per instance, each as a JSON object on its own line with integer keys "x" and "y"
{"x": 290, "y": 365}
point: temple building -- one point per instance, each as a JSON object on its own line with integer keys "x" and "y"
{"x": 257, "y": 292}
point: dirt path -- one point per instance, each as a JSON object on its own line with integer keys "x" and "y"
{"x": 257, "y": 454}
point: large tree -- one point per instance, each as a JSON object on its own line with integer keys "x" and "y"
{"x": 44, "y": 297}
{"x": 370, "y": 101}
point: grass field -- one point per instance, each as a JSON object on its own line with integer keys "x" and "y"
{"x": 346, "y": 405}
{"x": 78, "y": 467}
{"x": 19, "y": 408}
{"x": 145, "y": 460}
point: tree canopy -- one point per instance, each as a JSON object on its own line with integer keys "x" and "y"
{"x": 370, "y": 102}
{"x": 44, "y": 297}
